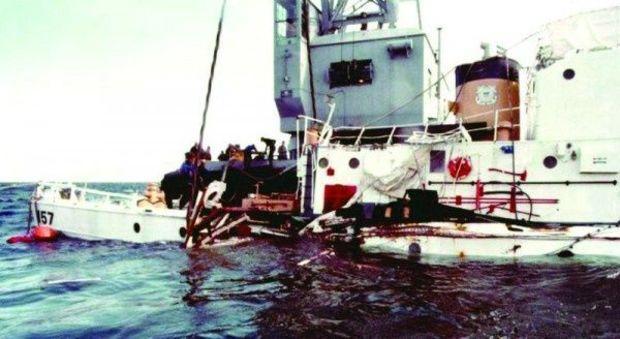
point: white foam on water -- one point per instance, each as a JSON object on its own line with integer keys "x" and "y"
{"x": 229, "y": 242}
{"x": 69, "y": 281}
{"x": 613, "y": 275}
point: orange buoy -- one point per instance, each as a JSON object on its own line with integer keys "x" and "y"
{"x": 44, "y": 233}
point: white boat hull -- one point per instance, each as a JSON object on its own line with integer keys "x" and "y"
{"x": 99, "y": 224}
{"x": 105, "y": 220}
{"x": 493, "y": 240}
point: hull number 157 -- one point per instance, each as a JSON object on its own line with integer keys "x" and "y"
{"x": 45, "y": 218}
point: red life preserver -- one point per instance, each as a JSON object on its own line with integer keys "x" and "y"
{"x": 39, "y": 233}
{"x": 44, "y": 233}
{"x": 459, "y": 167}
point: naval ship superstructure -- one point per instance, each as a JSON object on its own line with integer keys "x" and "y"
{"x": 389, "y": 166}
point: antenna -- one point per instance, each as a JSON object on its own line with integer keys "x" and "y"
{"x": 417, "y": 3}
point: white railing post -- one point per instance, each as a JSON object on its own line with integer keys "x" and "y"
{"x": 359, "y": 137}
{"x": 389, "y": 142}
{"x": 297, "y": 145}
{"x": 305, "y": 131}
{"x": 325, "y": 131}
{"x": 106, "y": 200}
{"x": 495, "y": 126}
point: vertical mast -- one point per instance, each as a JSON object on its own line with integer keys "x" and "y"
{"x": 417, "y": 3}
{"x": 191, "y": 214}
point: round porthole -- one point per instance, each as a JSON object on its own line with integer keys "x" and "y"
{"x": 568, "y": 74}
{"x": 550, "y": 162}
{"x": 323, "y": 162}
{"x": 415, "y": 249}
{"x": 182, "y": 232}
{"x": 136, "y": 227}
{"x": 354, "y": 163}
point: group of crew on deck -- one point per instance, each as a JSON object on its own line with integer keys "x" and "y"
{"x": 245, "y": 154}
{"x": 178, "y": 184}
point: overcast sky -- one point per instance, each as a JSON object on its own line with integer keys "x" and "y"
{"x": 113, "y": 90}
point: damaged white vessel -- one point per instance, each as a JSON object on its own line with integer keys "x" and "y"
{"x": 504, "y": 179}
{"x": 386, "y": 164}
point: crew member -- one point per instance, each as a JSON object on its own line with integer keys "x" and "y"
{"x": 282, "y": 152}
{"x": 223, "y": 156}
{"x": 188, "y": 166}
{"x": 270, "y": 149}
{"x": 247, "y": 155}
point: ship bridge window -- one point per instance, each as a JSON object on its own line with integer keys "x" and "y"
{"x": 400, "y": 49}
{"x": 351, "y": 73}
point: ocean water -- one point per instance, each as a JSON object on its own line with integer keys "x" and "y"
{"x": 74, "y": 288}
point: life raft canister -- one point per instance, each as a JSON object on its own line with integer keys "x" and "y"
{"x": 459, "y": 167}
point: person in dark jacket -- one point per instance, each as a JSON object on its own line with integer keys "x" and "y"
{"x": 188, "y": 166}
{"x": 178, "y": 184}
{"x": 282, "y": 152}
{"x": 247, "y": 155}
{"x": 222, "y": 157}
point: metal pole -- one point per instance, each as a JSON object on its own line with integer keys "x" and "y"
{"x": 30, "y": 203}
{"x": 417, "y": 2}
{"x": 297, "y": 145}
{"x": 495, "y": 125}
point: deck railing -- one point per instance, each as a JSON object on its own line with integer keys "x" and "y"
{"x": 73, "y": 193}
{"x": 327, "y": 131}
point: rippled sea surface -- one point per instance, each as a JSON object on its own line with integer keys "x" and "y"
{"x": 74, "y": 288}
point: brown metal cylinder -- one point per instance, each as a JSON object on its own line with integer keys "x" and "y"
{"x": 486, "y": 88}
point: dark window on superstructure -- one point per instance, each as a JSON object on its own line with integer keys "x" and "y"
{"x": 438, "y": 161}
{"x": 338, "y": 74}
{"x": 400, "y": 49}
{"x": 351, "y": 73}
